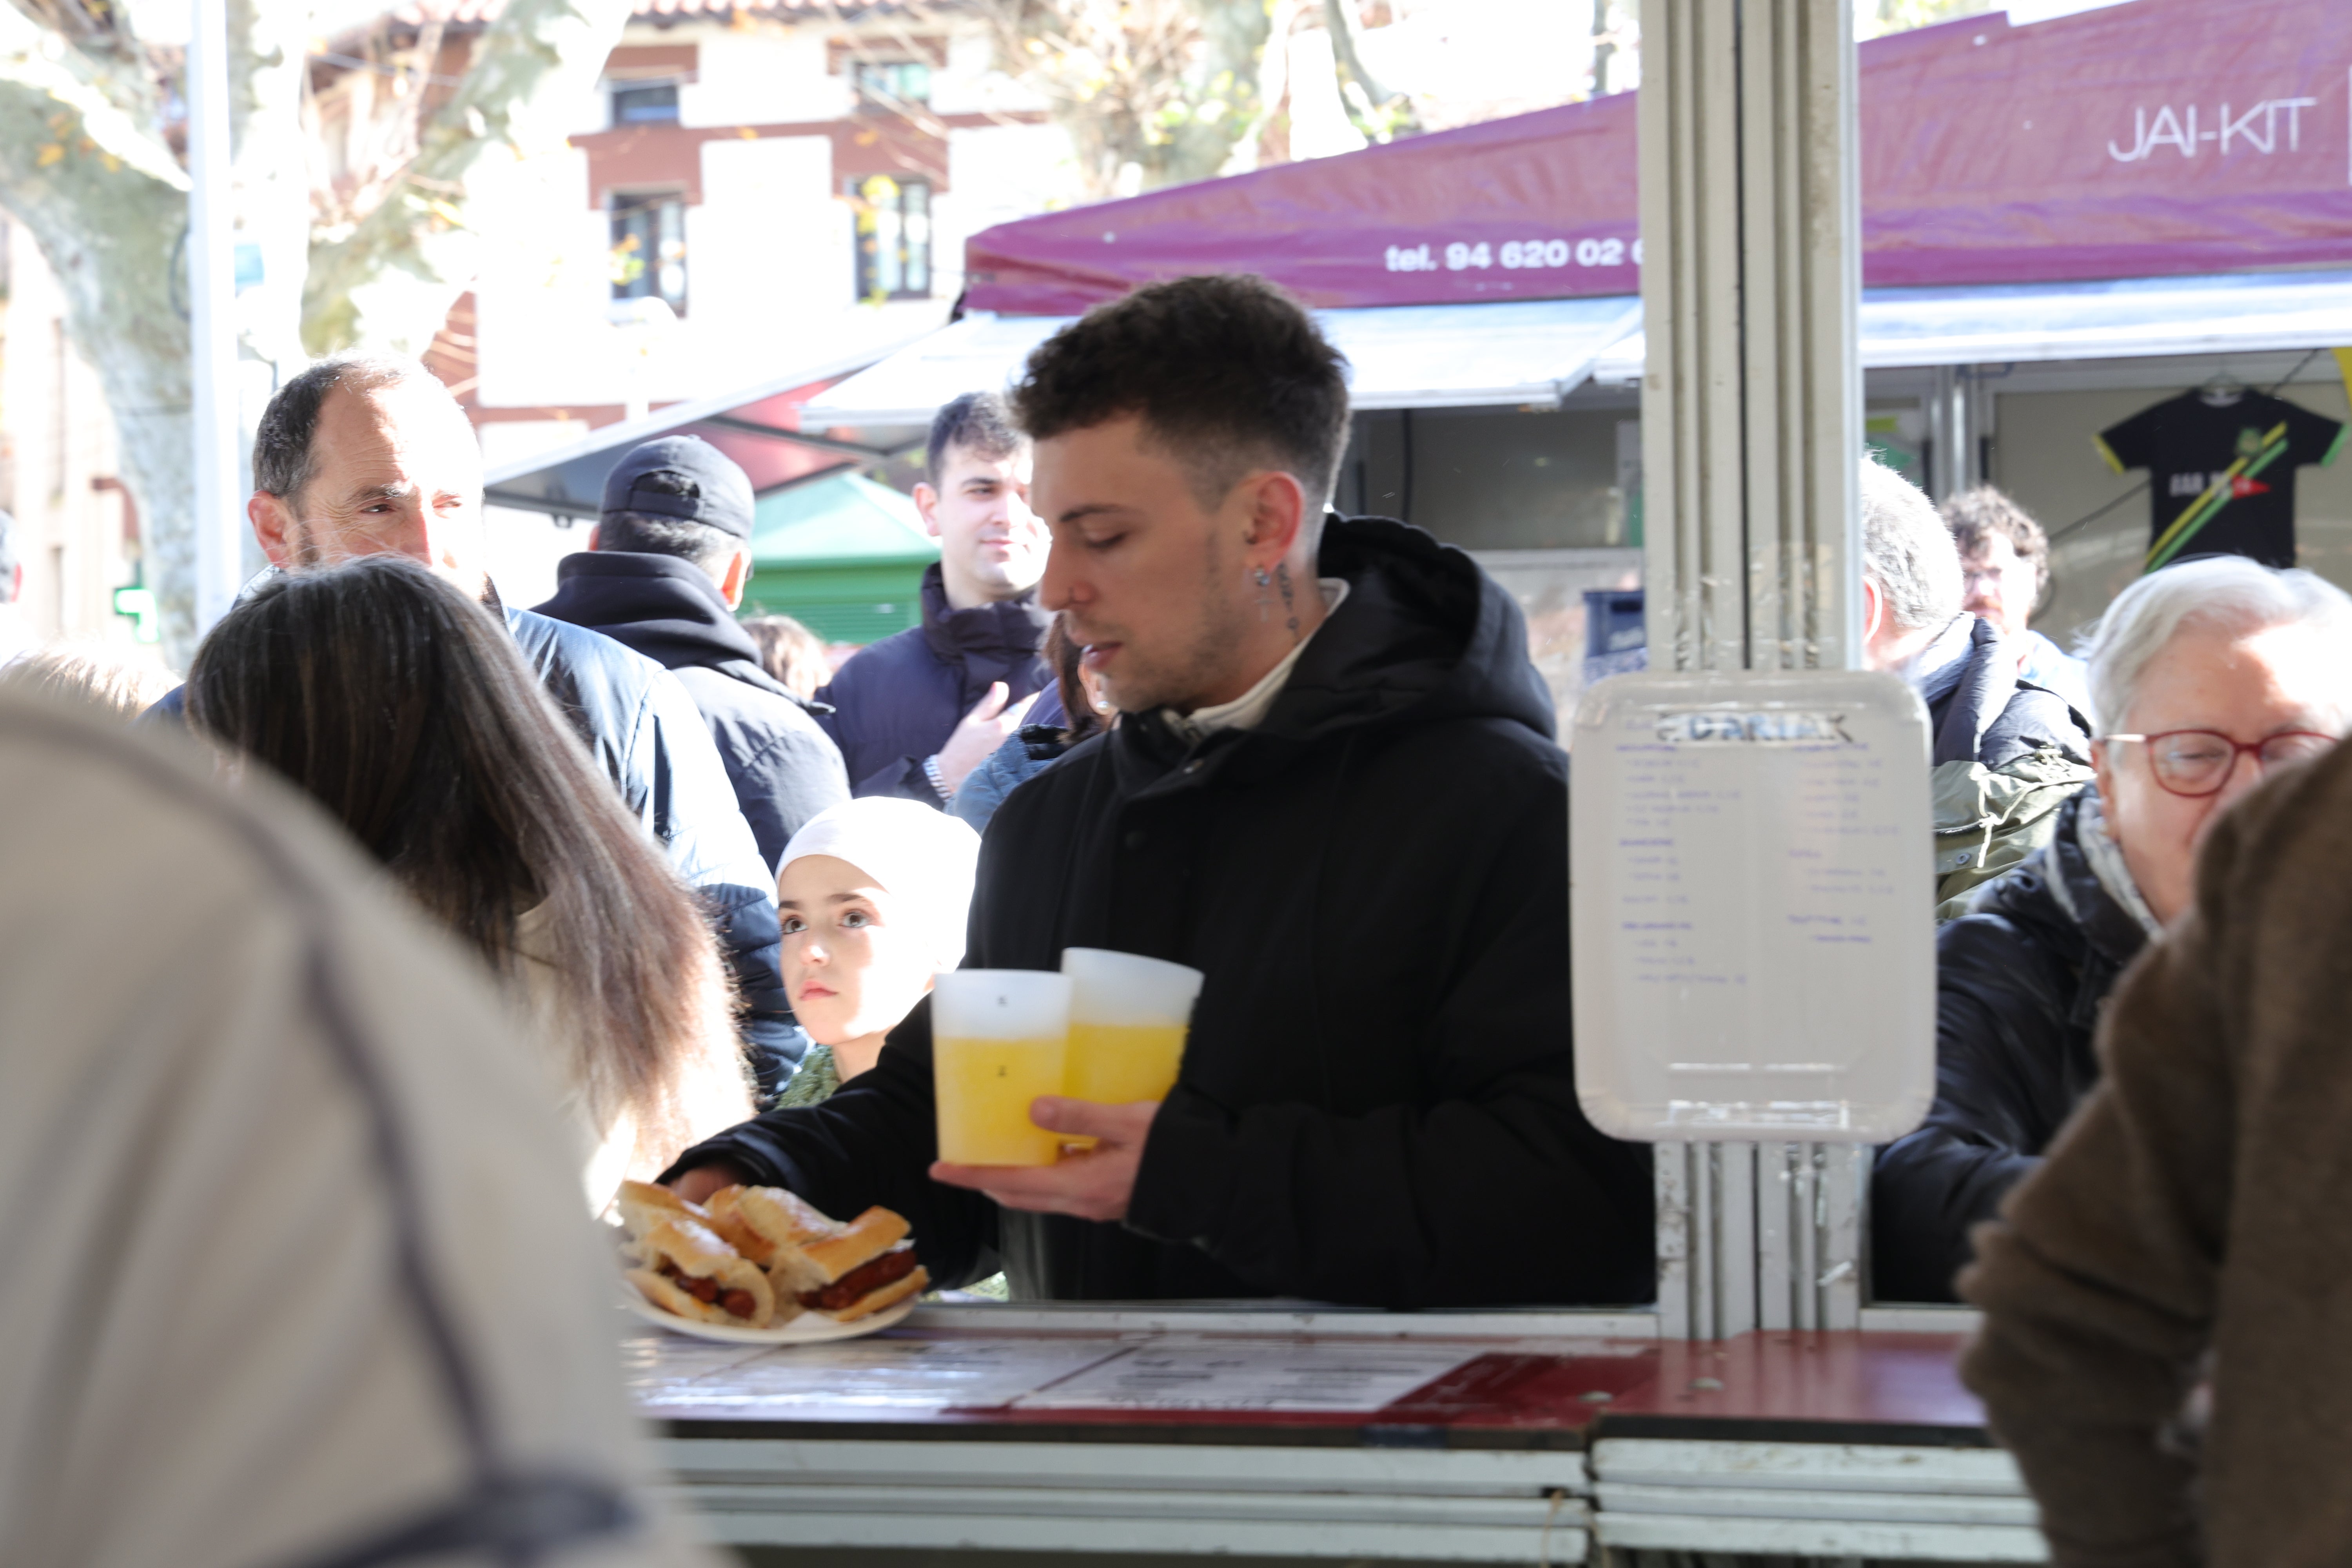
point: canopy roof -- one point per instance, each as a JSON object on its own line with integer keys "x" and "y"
{"x": 2160, "y": 137}
{"x": 1417, "y": 356}
{"x": 1536, "y": 352}
{"x": 844, "y": 520}
{"x": 761, "y": 427}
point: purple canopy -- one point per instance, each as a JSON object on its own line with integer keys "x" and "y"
{"x": 2159, "y": 137}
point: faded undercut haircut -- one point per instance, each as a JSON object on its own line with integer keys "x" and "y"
{"x": 1227, "y": 373}
{"x": 1906, "y": 549}
{"x": 2224, "y": 591}
{"x": 978, "y": 423}
{"x": 282, "y": 442}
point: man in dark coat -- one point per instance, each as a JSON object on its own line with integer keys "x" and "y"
{"x": 1979, "y": 710}
{"x": 917, "y": 711}
{"x": 2020, "y": 984}
{"x": 363, "y": 454}
{"x": 666, "y": 567}
{"x": 1334, "y": 791}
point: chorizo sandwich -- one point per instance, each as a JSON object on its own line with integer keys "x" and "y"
{"x": 684, "y": 1268}
{"x": 843, "y": 1271}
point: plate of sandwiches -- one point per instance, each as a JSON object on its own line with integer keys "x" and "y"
{"x": 761, "y": 1266}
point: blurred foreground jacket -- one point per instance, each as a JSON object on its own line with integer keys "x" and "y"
{"x": 297, "y": 1270}
{"x": 2196, "y": 1206}
{"x": 1378, "y": 1102}
{"x": 897, "y": 700}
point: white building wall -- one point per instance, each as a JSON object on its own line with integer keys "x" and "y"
{"x": 995, "y": 173}
{"x": 763, "y": 76}
{"x": 769, "y": 267}
{"x": 971, "y": 84}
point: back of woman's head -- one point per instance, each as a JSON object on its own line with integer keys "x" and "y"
{"x": 405, "y": 709}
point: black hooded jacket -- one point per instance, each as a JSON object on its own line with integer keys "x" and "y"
{"x": 784, "y": 766}
{"x": 2019, "y": 983}
{"x": 896, "y": 702}
{"x": 1979, "y": 710}
{"x": 1378, "y": 1102}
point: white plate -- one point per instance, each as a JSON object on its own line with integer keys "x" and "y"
{"x": 808, "y": 1329}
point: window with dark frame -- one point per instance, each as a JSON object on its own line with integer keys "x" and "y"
{"x": 648, "y": 255}
{"x": 891, "y": 82}
{"x": 645, "y": 103}
{"x": 894, "y": 237}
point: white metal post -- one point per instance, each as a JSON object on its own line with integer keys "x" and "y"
{"x": 1751, "y": 422}
{"x": 220, "y": 512}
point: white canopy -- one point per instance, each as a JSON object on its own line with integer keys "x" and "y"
{"x": 1405, "y": 356}
{"x": 2132, "y": 317}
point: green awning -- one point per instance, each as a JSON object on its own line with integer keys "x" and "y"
{"x": 844, "y": 556}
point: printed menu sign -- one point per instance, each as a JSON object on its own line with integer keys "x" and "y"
{"x": 1333, "y": 1376}
{"x": 1752, "y": 906}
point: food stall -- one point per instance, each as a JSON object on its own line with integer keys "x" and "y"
{"x": 2021, "y": 221}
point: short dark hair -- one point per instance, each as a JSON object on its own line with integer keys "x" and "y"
{"x": 1227, "y": 371}
{"x": 282, "y": 441}
{"x": 646, "y": 534}
{"x": 978, "y": 421}
{"x": 1975, "y": 516}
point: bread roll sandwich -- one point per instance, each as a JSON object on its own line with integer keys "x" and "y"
{"x": 844, "y": 1272}
{"x": 644, "y": 1205}
{"x": 685, "y": 1269}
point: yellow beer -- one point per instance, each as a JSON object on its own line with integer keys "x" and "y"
{"x": 983, "y": 1087}
{"x": 1118, "y": 1064}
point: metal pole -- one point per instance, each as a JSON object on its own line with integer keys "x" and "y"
{"x": 1751, "y": 426}
{"x": 219, "y": 511}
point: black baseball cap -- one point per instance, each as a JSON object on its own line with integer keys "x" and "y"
{"x": 686, "y": 478}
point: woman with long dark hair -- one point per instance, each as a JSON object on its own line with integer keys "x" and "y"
{"x": 404, "y": 708}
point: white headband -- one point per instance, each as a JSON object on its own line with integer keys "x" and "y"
{"x": 924, "y": 859}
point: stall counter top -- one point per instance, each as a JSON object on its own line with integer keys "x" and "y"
{"x": 1310, "y": 1390}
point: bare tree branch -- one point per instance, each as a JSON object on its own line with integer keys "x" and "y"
{"x": 391, "y": 280}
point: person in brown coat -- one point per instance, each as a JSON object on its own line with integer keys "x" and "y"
{"x": 2191, "y": 1220}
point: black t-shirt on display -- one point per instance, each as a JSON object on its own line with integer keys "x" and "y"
{"x": 2189, "y": 444}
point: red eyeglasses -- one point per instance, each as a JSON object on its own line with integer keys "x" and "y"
{"x": 2197, "y": 763}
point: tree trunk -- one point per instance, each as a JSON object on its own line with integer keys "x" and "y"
{"x": 109, "y": 209}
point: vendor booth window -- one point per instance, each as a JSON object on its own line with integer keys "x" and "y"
{"x": 890, "y": 83}
{"x": 648, "y": 255}
{"x": 894, "y": 237}
{"x": 649, "y": 103}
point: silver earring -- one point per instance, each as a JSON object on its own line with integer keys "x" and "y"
{"x": 1264, "y": 596}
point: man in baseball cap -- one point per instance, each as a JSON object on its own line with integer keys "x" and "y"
{"x": 665, "y": 569}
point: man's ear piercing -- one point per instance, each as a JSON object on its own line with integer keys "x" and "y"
{"x": 1262, "y": 580}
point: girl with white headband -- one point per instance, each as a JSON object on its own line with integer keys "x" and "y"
{"x": 873, "y": 894}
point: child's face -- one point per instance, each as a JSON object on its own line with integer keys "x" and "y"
{"x": 850, "y": 971}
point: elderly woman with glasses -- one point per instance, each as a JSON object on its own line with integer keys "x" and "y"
{"x": 2205, "y": 675}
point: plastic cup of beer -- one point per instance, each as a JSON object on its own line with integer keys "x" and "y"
{"x": 1128, "y": 1016}
{"x": 1000, "y": 1038}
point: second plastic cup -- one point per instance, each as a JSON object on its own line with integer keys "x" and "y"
{"x": 1000, "y": 1038}
{"x": 1128, "y": 1016}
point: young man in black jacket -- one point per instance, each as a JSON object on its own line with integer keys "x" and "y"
{"x": 664, "y": 570}
{"x": 917, "y": 711}
{"x": 1334, "y": 790}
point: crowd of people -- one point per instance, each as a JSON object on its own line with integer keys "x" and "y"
{"x": 1160, "y": 702}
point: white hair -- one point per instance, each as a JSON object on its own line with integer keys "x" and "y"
{"x": 1907, "y": 551}
{"x": 2224, "y": 591}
